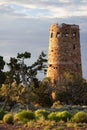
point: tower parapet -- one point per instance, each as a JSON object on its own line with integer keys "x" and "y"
{"x": 64, "y": 53}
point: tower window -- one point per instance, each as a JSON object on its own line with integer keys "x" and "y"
{"x": 66, "y": 34}
{"x": 73, "y": 46}
{"x": 74, "y": 34}
{"x": 55, "y": 67}
{"x": 50, "y": 65}
{"x": 51, "y": 35}
{"x": 58, "y": 34}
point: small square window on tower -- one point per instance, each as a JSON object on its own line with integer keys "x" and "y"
{"x": 66, "y": 34}
{"x": 58, "y": 34}
{"x": 74, "y": 34}
{"x": 50, "y": 65}
{"x": 74, "y": 46}
{"x": 51, "y": 35}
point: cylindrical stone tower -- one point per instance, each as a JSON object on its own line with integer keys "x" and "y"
{"x": 64, "y": 51}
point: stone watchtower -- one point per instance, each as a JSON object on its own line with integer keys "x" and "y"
{"x": 64, "y": 51}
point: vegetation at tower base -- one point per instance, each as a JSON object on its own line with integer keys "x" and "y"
{"x": 20, "y": 79}
{"x": 72, "y": 90}
{"x": 14, "y": 95}
{"x": 42, "y": 93}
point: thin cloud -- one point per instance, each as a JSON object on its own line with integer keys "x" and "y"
{"x": 64, "y": 1}
{"x": 33, "y": 9}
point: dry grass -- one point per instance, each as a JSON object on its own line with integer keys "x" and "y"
{"x": 46, "y": 125}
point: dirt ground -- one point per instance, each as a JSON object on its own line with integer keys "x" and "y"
{"x": 21, "y": 127}
{"x": 13, "y": 127}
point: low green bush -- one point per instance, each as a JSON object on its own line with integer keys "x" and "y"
{"x": 41, "y": 114}
{"x": 64, "y": 116}
{"x": 58, "y": 116}
{"x": 31, "y": 124}
{"x": 8, "y": 118}
{"x": 80, "y": 117}
{"x": 24, "y": 116}
{"x": 2, "y": 113}
{"x": 53, "y": 116}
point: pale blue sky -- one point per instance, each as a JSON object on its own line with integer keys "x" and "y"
{"x": 24, "y": 25}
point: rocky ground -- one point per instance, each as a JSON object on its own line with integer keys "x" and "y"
{"x": 15, "y": 127}
{"x": 21, "y": 127}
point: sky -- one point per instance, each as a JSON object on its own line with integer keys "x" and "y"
{"x": 24, "y": 25}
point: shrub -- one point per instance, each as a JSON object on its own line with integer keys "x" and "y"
{"x": 41, "y": 114}
{"x": 2, "y": 113}
{"x": 80, "y": 117}
{"x": 64, "y": 116}
{"x": 57, "y": 104}
{"x": 52, "y": 116}
{"x": 31, "y": 124}
{"x": 8, "y": 118}
{"x": 24, "y": 116}
{"x": 57, "y": 116}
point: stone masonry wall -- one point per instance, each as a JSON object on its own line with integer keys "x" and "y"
{"x": 64, "y": 51}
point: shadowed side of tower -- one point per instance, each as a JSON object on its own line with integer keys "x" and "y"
{"x": 64, "y": 51}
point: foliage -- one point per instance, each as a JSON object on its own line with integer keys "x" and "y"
{"x": 60, "y": 120}
{"x": 80, "y": 117}
{"x": 42, "y": 93}
{"x": 23, "y": 95}
{"x": 20, "y": 78}
{"x": 57, "y": 104}
{"x": 18, "y": 68}
{"x": 9, "y": 92}
{"x": 41, "y": 114}
{"x": 2, "y": 77}
{"x": 24, "y": 55}
{"x": 2, "y": 63}
{"x": 70, "y": 90}
{"x": 58, "y": 116}
{"x": 52, "y": 116}
{"x": 31, "y": 124}
{"x": 2, "y": 113}
{"x": 41, "y": 124}
{"x": 13, "y": 94}
{"x": 2, "y": 74}
{"x": 25, "y": 116}
{"x": 21, "y": 72}
{"x": 8, "y": 118}
{"x": 64, "y": 116}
